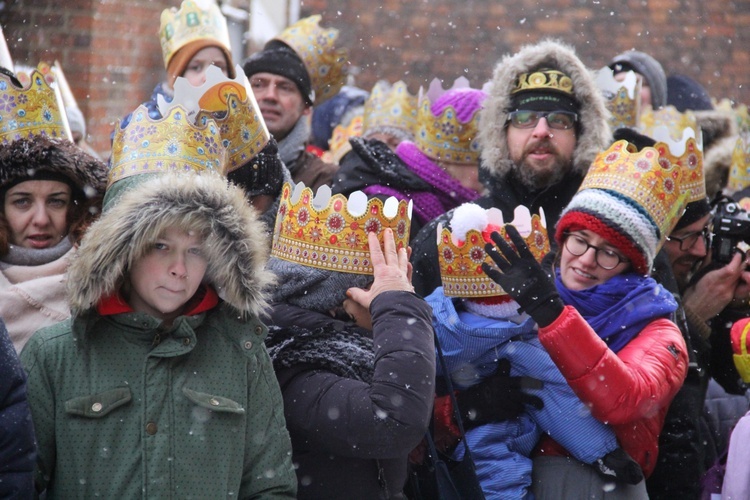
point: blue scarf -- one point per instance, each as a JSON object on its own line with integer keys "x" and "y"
{"x": 621, "y": 307}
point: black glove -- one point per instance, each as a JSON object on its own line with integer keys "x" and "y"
{"x": 498, "y": 397}
{"x": 523, "y": 278}
{"x": 619, "y": 467}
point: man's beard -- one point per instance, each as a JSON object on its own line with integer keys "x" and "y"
{"x": 537, "y": 177}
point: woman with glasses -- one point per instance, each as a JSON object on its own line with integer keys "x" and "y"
{"x": 604, "y": 322}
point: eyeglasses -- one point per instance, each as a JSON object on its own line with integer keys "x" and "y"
{"x": 689, "y": 240}
{"x": 606, "y": 259}
{"x": 560, "y": 120}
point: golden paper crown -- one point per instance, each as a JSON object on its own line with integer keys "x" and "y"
{"x": 622, "y": 99}
{"x": 231, "y": 104}
{"x": 461, "y": 255}
{"x": 391, "y": 106}
{"x": 338, "y": 144}
{"x": 668, "y": 117}
{"x": 544, "y": 79}
{"x": 33, "y": 109}
{"x": 686, "y": 154}
{"x": 640, "y": 176}
{"x": 739, "y": 111}
{"x": 445, "y": 137}
{"x": 316, "y": 47}
{"x": 195, "y": 20}
{"x": 739, "y": 171}
{"x": 171, "y": 143}
{"x": 330, "y": 232}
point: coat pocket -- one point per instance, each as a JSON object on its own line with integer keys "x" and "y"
{"x": 212, "y": 402}
{"x": 98, "y": 405}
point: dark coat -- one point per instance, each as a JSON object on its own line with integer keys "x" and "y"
{"x": 312, "y": 171}
{"x": 350, "y": 438}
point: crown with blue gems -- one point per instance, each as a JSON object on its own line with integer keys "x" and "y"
{"x": 194, "y": 20}
{"x": 391, "y": 106}
{"x": 329, "y": 232}
{"x": 622, "y": 99}
{"x": 316, "y": 46}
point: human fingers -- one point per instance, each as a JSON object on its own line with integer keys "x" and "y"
{"x": 502, "y": 245}
{"x": 389, "y": 247}
{"x": 376, "y": 253}
{"x": 498, "y": 259}
{"x": 518, "y": 241}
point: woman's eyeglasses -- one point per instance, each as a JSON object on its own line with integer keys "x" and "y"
{"x": 606, "y": 259}
{"x": 560, "y": 120}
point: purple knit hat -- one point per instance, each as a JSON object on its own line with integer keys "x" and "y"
{"x": 466, "y": 101}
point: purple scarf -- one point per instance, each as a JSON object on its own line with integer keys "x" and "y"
{"x": 447, "y": 194}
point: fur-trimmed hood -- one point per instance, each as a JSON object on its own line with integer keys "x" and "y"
{"x": 595, "y": 134}
{"x": 236, "y": 252}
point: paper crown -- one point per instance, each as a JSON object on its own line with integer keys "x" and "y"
{"x": 668, "y": 117}
{"x": 544, "y": 79}
{"x": 330, "y": 231}
{"x": 338, "y": 144}
{"x": 739, "y": 111}
{"x": 316, "y": 47}
{"x": 445, "y": 136}
{"x": 231, "y": 104}
{"x": 740, "y": 355}
{"x": 739, "y": 171}
{"x": 171, "y": 143}
{"x": 461, "y": 252}
{"x": 686, "y": 154}
{"x": 622, "y": 98}
{"x": 391, "y": 106}
{"x": 643, "y": 177}
{"x": 195, "y": 20}
{"x": 33, "y": 109}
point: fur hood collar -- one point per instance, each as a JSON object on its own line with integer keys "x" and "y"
{"x": 595, "y": 134}
{"x": 206, "y": 203}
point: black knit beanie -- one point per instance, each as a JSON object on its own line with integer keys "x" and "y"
{"x": 280, "y": 59}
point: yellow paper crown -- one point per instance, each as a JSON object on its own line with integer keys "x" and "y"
{"x": 739, "y": 171}
{"x": 445, "y": 137}
{"x": 30, "y": 110}
{"x": 195, "y": 20}
{"x": 391, "y": 106}
{"x": 622, "y": 99}
{"x": 330, "y": 231}
{"x": 461, "y": 255}
{"x": 232, "y": 105}
{"x": 654, "y": 185}
{"x": 316, "y": 47}
{"x": 544, "y": 79}
{"x": 668, "y": 117}
{"x": 338, "y": 144}
{"x": 686, "y": 154}
{"x": 739, "y": 111}
{"x": 171, "y": 143}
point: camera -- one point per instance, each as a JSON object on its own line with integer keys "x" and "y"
{"x": 731, "y": 227}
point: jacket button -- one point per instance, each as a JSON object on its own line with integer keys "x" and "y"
{"x": 258, "y": 330}
{"x": 151, "y": 428}
{"x": 214, "y": 402}
{"x": 96, "y": 407}
{"x": 248, "y": 345}
{"x": 186, "y": 341}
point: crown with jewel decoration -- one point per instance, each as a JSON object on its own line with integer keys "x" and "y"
{"x": 338, "y": 144}
{"x": 445, "y": 137}
{"x": 738, "y": 111}
{"x": 330, "y": 231}
{"x": 231, "y": 104}
{"x": 739, "y": 171}
{"x": 316, "y": 46}
{"x": 30, "y": 110}
{"x": 461, "y": 251}
{"x": 622, "y": 98}
{"x": 391, "y": 106}
{"x": 171, "y": 143}
{"x": 668, "y": 116}
{"x": 194, "y": 20}
{"x": 687, "y": 154}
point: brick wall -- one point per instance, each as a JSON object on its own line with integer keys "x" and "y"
{"x": 110, "y": 51}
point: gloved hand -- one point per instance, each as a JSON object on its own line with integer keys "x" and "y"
{"x": 523, "y": 278}
{"x": 498, "y": 397}
{"x": 619, "y": 467}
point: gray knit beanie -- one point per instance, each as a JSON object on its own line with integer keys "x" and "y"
{"x": 650, "y": 68}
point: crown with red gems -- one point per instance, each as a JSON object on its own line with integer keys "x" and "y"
{"x": 30, "y": 110}
{"x": 194, "y": 20}
{"x": 445, "y": 136}
{"x": 171, "y": 143}
{"x": 316, "y": 46}
{"x": 330, "y": 231}
{"x": 231, "y": 104}
{"x": 461, "y": 249}
{"x": 391, "y": 106}
{"x": 739, "y": 172}
{"x": 621, "y": 98}
{"x": 687, "y": 154}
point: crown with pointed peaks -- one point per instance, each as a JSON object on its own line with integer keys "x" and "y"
{"x": 668, "y": 117}
{"x": 316, "y": 46}
{"x": 445, "y": 136}
{"x": 622, "y": 98}
{"x": 330, "y": 231}
{"x": 171, "y": 143}
{"x": 391, "y": 106}
{"x": 194, "y": 20}
{"x": 687, "y": 154}
{"x": 33, "y": 109}
{"x": 231, "y": 104}
{"x": 461, "y": 248}
{"x": 739, "y": 171}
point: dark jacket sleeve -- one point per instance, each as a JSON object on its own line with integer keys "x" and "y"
{"x": 17, "y": 446}
{"x": 385, "y": 418}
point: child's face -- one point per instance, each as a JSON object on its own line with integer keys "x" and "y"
{"x": 163, "y": 280}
